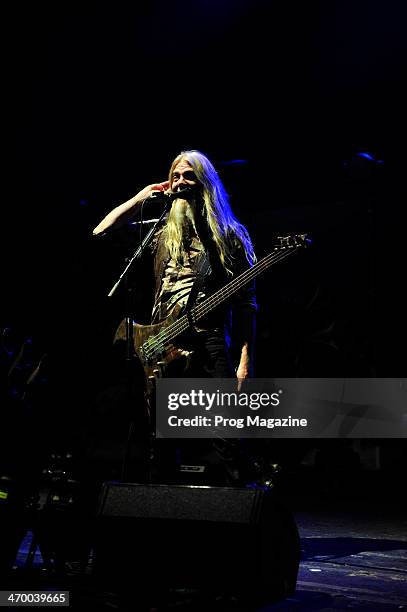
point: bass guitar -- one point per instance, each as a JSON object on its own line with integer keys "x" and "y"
{"x": 153, "y": 344}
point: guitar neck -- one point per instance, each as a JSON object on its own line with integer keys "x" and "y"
{"x": 223, "y": 294}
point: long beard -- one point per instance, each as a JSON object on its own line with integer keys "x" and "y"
{"x": 181, "y": 228}
{"x": 183, "y": 216}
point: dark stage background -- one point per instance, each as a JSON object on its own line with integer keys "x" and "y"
{"x": 302, "y": 108}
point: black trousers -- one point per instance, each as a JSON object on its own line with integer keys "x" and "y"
{"x": 218, "y": 458}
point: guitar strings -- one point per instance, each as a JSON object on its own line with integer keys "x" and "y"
{"x": 155, "y": 344}
{"x": 150, "y": 347}
{"x": 235, "y": 285}
{"x": 214, "y": 300}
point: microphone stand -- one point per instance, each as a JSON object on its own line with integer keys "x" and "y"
{"x": 129, "y": 341}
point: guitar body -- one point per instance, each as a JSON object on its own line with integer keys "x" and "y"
{"x": 153, "y": 352}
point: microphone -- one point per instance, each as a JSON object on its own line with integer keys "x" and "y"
{"x": 143, "y": 222}
{"x": 131, "y": 224}
{"x": 184, "y": 194}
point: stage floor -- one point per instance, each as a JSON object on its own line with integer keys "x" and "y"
{"x": 353, "y": 556}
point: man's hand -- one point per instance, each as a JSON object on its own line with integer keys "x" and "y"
{"x": 243, "y": 370}
{"x": 146, "y": 192}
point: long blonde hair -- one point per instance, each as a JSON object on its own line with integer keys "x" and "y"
{"x": 222, "y": 222}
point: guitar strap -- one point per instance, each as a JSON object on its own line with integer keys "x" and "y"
{"x": 201, "y": 271}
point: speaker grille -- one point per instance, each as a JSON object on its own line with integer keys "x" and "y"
{"x": 222, "y": 504}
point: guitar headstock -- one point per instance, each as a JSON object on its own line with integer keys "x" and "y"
{"x": 291, "y": 241}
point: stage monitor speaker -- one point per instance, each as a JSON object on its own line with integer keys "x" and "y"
{"x": 229, "y": 540}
